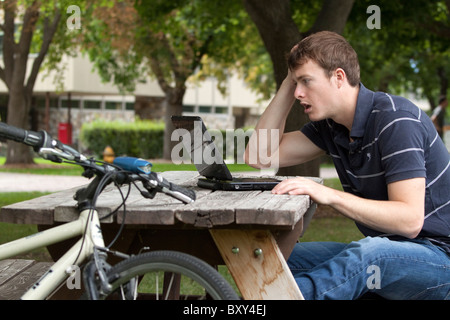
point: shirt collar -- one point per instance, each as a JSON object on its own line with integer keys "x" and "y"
{"x": 363, "y": 109}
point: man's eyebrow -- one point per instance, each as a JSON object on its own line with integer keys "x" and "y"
{"x": 302, "y": 76}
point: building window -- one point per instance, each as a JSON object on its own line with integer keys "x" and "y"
{"x": 188, "y": 108}
{"x": 113, "y": 105}
{"x": 74, "y": 104}
{"x": 204, "y": 109}
{"x": 222, "y": 110}
{"x": 90, "y": 104}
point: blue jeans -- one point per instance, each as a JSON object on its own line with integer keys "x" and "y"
{"x": 411, "y": 269}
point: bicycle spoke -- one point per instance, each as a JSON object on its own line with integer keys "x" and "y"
{"x": 169, "y": 287}
{"x": 157, "y": 286}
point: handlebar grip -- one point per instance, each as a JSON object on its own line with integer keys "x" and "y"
{"x": 31, "y": 138}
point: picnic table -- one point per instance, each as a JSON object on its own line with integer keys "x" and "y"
{"x": 251, "y": 232}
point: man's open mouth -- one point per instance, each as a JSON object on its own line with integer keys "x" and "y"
{"x": 306, "y": 106}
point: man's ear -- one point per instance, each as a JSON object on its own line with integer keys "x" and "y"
{"x": 340, "y": 77}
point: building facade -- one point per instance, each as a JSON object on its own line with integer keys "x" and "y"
{"x": 82, "y": 97}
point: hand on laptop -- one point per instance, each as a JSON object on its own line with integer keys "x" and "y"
{"x": 317, "y": 192}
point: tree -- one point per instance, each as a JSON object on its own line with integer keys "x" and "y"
{"x": 410, "y": 50}
{"x": 280, "y": 32}
{"x": 40, "y": 24}
{"x": 168, "y": 40}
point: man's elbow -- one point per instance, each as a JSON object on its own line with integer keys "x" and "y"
{"x": 258, "y": 161}
{"x": 253, "y": 161}
{"x": 414, "y": 227}
{"x": 247, "y": 159}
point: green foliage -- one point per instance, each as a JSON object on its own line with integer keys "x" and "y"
{"x": 405, "y": 54}
{"x": 142, "y": 139}
{"x": 173, "y": 40}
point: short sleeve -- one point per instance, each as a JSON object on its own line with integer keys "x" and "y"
{"x": 314, "y": 131}
{"x": 402, "y": 146}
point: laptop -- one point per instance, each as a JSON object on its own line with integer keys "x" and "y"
{"x": 209, "y": 161}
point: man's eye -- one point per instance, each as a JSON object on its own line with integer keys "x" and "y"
{"x": 306, "y": 81}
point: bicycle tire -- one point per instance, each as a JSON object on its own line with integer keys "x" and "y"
{"x": 173, "y": 262}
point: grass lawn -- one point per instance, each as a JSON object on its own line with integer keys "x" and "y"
{"x": 48, "y": 167}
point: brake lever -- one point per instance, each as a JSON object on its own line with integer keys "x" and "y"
{"x": 156, "y": 183}
{"x": 54, "y": 155}
{"x": 151, "y": 190}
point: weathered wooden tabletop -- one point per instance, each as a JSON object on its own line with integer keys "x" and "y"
{"x": 220, "y": 226}
{"x": 211, "y": 209}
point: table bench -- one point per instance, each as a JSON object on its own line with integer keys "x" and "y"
{"x": 18, "y": 275}
{"x": 252, "y": 232}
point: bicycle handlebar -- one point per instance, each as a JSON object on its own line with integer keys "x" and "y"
{"x": 31, "y": 138}
{"x": 134, "y": 169}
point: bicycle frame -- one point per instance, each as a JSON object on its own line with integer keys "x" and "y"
{"x": 87, "y": 225}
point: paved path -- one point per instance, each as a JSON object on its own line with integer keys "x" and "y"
{"x": 16, "y": 182}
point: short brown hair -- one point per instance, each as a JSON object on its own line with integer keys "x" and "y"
{"x": 330, "y": 51}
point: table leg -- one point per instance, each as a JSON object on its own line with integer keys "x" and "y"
{"x": 256, "y": 264}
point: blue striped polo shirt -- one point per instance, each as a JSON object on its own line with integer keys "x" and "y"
{"x": 393, "y": 140}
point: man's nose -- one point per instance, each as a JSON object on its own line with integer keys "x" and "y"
{"x": 299, "y": 93}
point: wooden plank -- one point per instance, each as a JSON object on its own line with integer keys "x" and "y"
{"x": 276, "y": 210}
{"x": 109, "y": 200}
{"x": 186, "y": 178}
{"x": 264, "y": 276}
{"x": 215, "y": 209}
{"x": 157, "y": 211}
{"x": 161, "y": 209}
{"x": 24, "y": 279}
{"x": 140, "y": 210}
{"x": 10, "y": 267}
{"x": 35, "y": 211}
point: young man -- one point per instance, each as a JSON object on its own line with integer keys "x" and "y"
{"x": 392, "y": 165}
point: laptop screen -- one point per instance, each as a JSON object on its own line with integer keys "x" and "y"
{"x": 203, "y": 152}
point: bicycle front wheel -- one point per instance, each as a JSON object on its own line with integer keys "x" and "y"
{"x": 167, "y": 275}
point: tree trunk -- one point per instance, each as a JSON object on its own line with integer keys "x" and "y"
{"x": 279, "y": 34}
{"x": 14, "y": 73}
{"x": 443, "y": 80}
{"x": 18, "y": 110}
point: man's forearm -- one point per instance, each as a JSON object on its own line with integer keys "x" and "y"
{"x": 402, "y": 214}
{"x": 391, "y": 217}
{"x": 264, "y": 142}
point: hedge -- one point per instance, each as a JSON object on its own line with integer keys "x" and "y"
{"x": 142, "y": 138}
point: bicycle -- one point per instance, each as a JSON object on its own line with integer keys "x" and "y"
{"x": 161, "y": 271}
